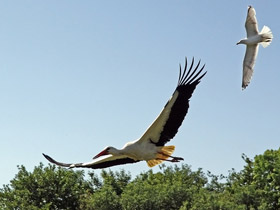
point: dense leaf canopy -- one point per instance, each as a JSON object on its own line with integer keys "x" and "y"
{"x": 257, "y": 186}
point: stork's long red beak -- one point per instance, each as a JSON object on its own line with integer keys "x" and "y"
{"x": 104, "y": 152}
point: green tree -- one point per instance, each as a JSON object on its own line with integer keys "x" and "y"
{"x": 44, "y": 188}
{"x": 257, "y": 186}
{"x": 167, "y": 189}
{"x": 213, "y": 197}
{"x": 107, "y": 193}
{"x": 266, "y": 178}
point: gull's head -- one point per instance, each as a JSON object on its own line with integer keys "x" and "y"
{"x": 242, "y": 41}
{"x": 107, "y": 151}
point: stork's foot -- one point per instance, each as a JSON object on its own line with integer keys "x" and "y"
{"x": 176, "y": 159}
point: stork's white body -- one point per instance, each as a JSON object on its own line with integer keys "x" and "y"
{"x": 140, "y": 150}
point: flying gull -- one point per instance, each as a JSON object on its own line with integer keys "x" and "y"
{"x": 252, "y": 44}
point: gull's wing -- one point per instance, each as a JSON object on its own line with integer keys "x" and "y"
{"x": 249, "y": 63}
{"x": 165, "y": 127}
{"x": 101, "y": 162}
{"x": 251, "y": 23}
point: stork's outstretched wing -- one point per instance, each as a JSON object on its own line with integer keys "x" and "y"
{"x": 165, "y": 127}
{"x": 102, "y": 162}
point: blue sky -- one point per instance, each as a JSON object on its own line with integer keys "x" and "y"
{"x": 76, "y": 76}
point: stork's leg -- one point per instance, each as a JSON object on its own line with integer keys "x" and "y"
{"x": 163, "y": 155}
{"x": 175, "y": 159}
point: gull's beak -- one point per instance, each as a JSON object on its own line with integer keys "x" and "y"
{"x": 104, "y": 152}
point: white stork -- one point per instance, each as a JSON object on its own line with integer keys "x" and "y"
{"x": 252, "y": 43}
{"x": 150, "y": 147}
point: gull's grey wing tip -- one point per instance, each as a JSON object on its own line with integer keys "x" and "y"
{"x": 247, "y": 77}
{"x": 244, "y": 86}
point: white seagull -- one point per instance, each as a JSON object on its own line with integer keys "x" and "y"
{"x": 150, "y": 147}
{"x": 252, "y": 42}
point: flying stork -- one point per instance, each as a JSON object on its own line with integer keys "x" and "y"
{"x": 150, "y": 147}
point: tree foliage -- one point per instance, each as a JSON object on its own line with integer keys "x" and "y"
{"x": 44, "y": 188}
{"x": 167, "y": 189}
{"x": 256, "y": 186}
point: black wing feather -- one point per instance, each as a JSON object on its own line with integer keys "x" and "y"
{"x": 93, "y": 166}
{"x": 114, "y": 163}
{"x": 187, "y": 83}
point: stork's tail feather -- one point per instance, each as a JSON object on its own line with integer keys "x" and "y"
{"x": 266, "y": 36}
{"x": 152, "y": 163}
{"x": 164, "y": 154}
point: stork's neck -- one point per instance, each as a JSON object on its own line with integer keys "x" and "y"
{"x": 115, "y": 151}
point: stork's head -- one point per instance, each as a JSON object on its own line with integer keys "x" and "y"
{"x": 106, "y": 151}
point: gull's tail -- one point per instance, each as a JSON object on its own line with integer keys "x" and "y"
{"x": 266, "y": 36}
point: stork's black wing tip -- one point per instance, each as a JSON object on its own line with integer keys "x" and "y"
{"x": 49, "y": 158}
{"x": 189, "y": 76}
